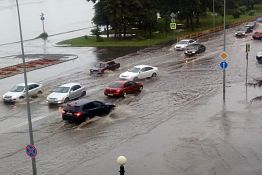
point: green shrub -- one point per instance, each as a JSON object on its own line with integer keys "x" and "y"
{"x": 236, "y": 13}
{"x": 251, "y": 13}
{"x": 242, "y": 9}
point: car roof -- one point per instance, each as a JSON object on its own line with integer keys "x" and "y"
{"x": 23, "y": 84}
{"x": 185, "y": 40}
{"x": 142, "y": 66}
{"x": 69, "y": 84}
{"x": 80, "y": 102}
{"x": 120, "y": 81}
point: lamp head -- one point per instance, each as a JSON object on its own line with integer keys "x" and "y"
{"x": 121, "y": 160}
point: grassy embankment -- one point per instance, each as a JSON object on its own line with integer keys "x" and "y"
{"x": 206, "y": 22}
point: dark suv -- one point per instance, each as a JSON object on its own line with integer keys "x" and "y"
{"x": 83, "y": 109}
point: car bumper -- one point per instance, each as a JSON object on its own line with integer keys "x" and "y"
{"x": 72, "y": 118}
{"x": 113, "y": 94}
{"x": 10, "y": 100}
{"x": 54, "y": 101}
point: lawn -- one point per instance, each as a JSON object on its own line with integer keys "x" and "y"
{"x": 206, "y": 22}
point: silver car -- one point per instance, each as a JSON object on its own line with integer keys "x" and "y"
{"x": 18, "y": 92}
{"x": 65, "y": 93}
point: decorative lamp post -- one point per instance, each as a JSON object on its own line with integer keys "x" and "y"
{"x": 121, "y": 160}
{"x": 42, "y": 19}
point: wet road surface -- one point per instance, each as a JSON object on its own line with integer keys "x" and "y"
{"x": 177, "y": 125}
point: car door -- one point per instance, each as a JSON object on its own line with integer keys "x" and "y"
{"x": 142, "y": 73}
{"x": 128, "y": 87}
{"x": 93, "y": 109}
{"x": 149, "y": 71}
{"x": 78, "y": 91}
{"x": 31, "y": 90}
{"x": 133, "y": 87}
{"x": 72, "y": 93}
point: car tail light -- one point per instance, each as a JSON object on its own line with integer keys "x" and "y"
{"x": 78, "y": 114}
{"x": 118, "y": 90}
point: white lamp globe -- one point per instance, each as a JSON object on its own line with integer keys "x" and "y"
{"x": 121, "y": 160}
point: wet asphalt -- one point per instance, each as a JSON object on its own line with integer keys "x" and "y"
{"x": 177, "y": 125}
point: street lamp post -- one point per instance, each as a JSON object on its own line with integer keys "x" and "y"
{"x": 42, "y": 19}
{"x": 26, "y": 86}
{"x": 121, "y": 160}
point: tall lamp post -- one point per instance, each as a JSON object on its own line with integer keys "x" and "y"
{"x": 43, "y": 23}
{"x": 26, "y": 87}
{"x": 121, "y": 160}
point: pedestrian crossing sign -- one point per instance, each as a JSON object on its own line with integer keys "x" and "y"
{"x": 173, "y": 25}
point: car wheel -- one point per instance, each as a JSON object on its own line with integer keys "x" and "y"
{"x": 135, "y": 79}
{"x": 154, "y": 75}
{"x": 66, "y": 100}
{"x": 39, "y": 92}
{"x": 83, "y": 93}
{"x": 124, "y": 94}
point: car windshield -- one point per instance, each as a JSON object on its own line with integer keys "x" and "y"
{"x": 134, "y": 70}
{"x": 241, "y": 30}
{"x": 192, "y": 47}
{"x": 62, "y": 89}
{"x": 115, "y": 85}
{"x": 17, "y": 89}
{"x": 182, "y": 42}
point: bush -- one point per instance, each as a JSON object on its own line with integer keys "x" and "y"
{"x": 242, "y": 9}
{"x": 236, "y": 13}
{"x": 251, "y": 13}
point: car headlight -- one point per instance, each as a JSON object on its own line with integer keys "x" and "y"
{"x": 243, "y": 33}
{"x": 193, "y": 52}
{"x": 186, "y": 51}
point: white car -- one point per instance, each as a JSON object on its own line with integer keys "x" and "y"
{"x": 181, "y": 45}
{"x": 18, "y": 92}
{"x": 139, "y": 72}
{"x": 65, "y": 93}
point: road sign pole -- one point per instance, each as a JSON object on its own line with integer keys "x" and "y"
{"x": 224, "y": 86}
{"x": 26, "y": 85}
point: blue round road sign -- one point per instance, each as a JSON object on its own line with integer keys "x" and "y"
{"x": 42, "y": 18}
{"x": 31, "y": 150}
{"x": 223, "y": 65}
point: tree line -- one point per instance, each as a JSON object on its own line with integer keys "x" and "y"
{"x": 120, "y": 16}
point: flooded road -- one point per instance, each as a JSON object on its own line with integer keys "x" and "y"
{"x": 175, "y": 126}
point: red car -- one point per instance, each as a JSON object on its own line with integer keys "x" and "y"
{"x": 257, "y": 35}
{"x": 122, "y": 88}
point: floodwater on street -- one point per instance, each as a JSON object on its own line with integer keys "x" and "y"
{"x": 176, "y": 125}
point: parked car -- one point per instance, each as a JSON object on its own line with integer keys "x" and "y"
{"x": 122, "y": 88}
{"x": 257, "y": 35}
{"x": 65, "y": 93}
{"x": 18, "y": 92}
{"x": 83, "y": 109}
{"x": 259, "y": 57}
{"x": 252, "y": 25}
{"x": 194, "y": 49}
{"x": 241, "y": 32}
{"x": 181, "y": 45}
{"x": 140, "y": 72}
{"x": 101, "y": 67}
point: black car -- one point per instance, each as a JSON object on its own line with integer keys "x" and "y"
{"x": 241, "y": 32}
{"x": 83, "y": 109}
{"x": 194, "y": 49}
{"x": 252, "y": 25}
{"x": 259, "y": 57}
